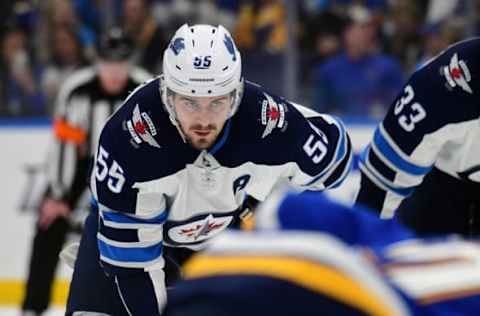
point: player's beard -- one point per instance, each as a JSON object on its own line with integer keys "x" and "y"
{"x": 202, "y": 142}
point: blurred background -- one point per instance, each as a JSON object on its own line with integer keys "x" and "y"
{"x": 345, "y": 57}
{"x": 301, "y": 48}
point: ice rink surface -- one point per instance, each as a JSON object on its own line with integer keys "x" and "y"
{"x": 15, "y": 311}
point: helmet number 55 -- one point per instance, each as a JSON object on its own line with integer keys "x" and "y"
{"x": 202, "y": 62}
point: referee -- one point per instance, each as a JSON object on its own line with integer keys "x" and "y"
{"x": 85, "y": 101}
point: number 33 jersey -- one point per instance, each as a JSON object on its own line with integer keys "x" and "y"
{"x": 154, "y": 189}
{"x": 433, "y": 123}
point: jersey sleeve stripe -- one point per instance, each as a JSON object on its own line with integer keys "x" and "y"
{"x": 117, "y": 267}
{"x": 377, "y": 162}
{"x": 341, "y": 148}
{"x": 120, "y": 255}
{"x": 124, "y": 234}
{"x": 129, "y": 244}
{"x": 346, "y": 168}
{"x": 378, "y": 179}
{"x": 394, "y": 155}
{"x": 122, "y": 218}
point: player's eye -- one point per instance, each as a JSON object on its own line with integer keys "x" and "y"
{"x": 218, "y": 105}
{"x": 190, "y": 105}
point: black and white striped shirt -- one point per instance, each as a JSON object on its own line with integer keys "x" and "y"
{"x": 82, "y": 108}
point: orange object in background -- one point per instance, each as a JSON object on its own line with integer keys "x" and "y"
{"x": 68, "y": 133}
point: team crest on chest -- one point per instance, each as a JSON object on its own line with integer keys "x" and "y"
{"x": 199, "y": 230}
{"x": 141, "y": 128}
{"x": 273, "y": 115}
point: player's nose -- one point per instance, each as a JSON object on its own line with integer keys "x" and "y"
{"x": 203, "y": 117}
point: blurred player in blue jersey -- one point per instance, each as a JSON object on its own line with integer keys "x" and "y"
{"x": 424, "y": 160}
{"x": 312, "y": 256}
{"x": 184, "y": 158}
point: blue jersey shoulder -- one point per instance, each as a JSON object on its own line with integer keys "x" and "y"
{"x": 268, "y": 129}
{"x": 443, "y": 91}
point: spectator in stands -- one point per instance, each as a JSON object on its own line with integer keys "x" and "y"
{"x": 261, "y": 26}
{"x": 59, "y": 14}
{"x": 6, "y": 10}
{"x": 359, "y": 81}
{"x": 149, "y": 37}
{"x": 324, "y": 39}
{"x": 67, "y": 56}
{"x": 227, "y": 13}
{"x": 438, "y": 36}
{"x": 20, "y": 93}
{"x": 402, "y": 38}
{"x": 261, "y": 34}
{"x": 89, "y": 12}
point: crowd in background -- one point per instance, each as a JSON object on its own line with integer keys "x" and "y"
{"x": 341, "y": 56}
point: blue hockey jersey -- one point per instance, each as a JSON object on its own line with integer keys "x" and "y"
{"x": 434, "y": 122}
{"x": 153, "y": 189}
{"x": 313, "y": 256}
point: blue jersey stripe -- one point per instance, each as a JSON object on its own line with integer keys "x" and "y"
{"x": 391, "y": 155}
{"x": 127, "y": 219}
{"x": 381, "y": 165}
{"x": 390, "y": 187}
{"x": 342, "y": 139}
{"x": 133, "y": 254}
{"x": 222, "y": 140}
{"x": 345, "y": 173}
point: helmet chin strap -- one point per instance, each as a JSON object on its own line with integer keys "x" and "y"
{"x": 170, "y": 109}
{"x": 173, "y": 118}
{"x": 179, "y": 129}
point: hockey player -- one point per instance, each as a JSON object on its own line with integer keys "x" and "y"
{"x": 424, "y": 158}
{"x": 313, "y": 256}
{"x": 85, "y": 101}
{"x": 179, "y": 161}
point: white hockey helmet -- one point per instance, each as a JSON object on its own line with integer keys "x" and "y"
{"x": 202, "y": 61}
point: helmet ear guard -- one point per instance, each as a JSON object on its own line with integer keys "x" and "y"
{"x": 201, "y": 61}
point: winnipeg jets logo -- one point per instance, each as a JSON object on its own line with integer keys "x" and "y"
{"x": 457, "y": 74}
{"x": 273, "y": 115}
{"x": 203, "y": 229}
{"x": 199, "y": 230}
{"x": 141, "y": 128}
{"x": 177, "y": 45}
{"x": 230, "y": 46}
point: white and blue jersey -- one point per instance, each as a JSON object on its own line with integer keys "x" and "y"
{"x": 432, "y": 124}
{"x": 154, "y": 190}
